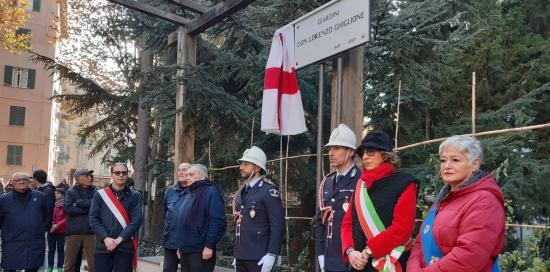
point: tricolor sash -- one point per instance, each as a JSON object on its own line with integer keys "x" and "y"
{"x": 430, "y": 249}
{"x": 372, "y": 225}
{"x": 120, "y": 214}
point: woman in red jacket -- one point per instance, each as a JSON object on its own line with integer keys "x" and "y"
{"x": 379, "y": 222}
{"x": 56, "y": 239}
{"x": 464, "y": 230}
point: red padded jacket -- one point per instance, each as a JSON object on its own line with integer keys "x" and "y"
{"x": 468, "y": 228}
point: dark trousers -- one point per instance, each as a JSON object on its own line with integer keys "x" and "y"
{"x": 113, "y": 262}
{"x": 171, "y": 261}
{"x": 248, "y": 266}
{"x": 193, "y": 262}
{"x": 56, "y": 243}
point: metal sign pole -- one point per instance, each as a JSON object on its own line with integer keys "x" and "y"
{"x": 339, "y": 91}
{"x": 319, "y": 142}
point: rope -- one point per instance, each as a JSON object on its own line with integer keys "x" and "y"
{"x": 269, "y": 161}
{"x": 485, "y": 133}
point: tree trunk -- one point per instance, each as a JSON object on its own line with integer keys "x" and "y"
{"x": 142, "y": 134}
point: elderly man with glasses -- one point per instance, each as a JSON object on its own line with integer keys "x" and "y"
{"x": 23, "y": 217}
{"x": 201, "y": 222}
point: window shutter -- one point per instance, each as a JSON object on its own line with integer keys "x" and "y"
{"x": 22, "y": 31}
{"x": 36, "y": 5}
{"x": 8, "y": 72}
{"x": 31, "y": 78}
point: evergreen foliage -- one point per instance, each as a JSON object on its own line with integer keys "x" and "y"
{"x": 431, "y": 46}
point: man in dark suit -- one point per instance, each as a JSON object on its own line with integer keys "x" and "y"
{"x": 334, "y": 194}
{"x": 259, "y": 214}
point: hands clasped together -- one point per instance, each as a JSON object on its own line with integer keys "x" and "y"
{"x": 358, "y": 259}
{"x": 111, "y": 243}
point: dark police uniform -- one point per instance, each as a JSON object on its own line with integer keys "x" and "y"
{"x": 335, "y": 194}
{"x": 262, "y": 225}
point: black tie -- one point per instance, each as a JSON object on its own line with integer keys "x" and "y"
{"x": 338, "y": 178}
{"x": 245, "y": 191}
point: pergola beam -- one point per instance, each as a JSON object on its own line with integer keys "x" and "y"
{"x": 216, "y": 14}
{"x": 165, "y": 15}
{"x": 190, "y": 5}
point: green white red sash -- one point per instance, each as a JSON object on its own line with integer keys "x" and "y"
{"x": 372, "y": 226}
{"x": 120, "y": 214}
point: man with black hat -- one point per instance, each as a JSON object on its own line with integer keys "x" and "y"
{"x": 334, "y": 194}
{"x": 79, "y": 233}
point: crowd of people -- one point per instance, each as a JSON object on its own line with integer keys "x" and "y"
{"x": 364, "y": 222}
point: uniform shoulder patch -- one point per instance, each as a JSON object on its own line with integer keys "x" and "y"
{"x": 274, "y": 192}
{"x": 268, "y": 181}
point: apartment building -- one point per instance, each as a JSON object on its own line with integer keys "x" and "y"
{"x": 25, "y": 106}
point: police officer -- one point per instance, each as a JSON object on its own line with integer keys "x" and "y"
{"x": 259, "y": 216}
{"x": 333, "y": 197}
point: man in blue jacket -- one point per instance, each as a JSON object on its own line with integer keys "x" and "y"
{"x": 23, "y": 216}
{"x": 174, "y": 201}
{"x": 201, "y": 222}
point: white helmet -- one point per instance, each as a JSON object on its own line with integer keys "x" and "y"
{"x": 342, "y": 136}
{"x": 256, "y": 156}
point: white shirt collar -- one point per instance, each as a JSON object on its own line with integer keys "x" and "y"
{"x": 253, "y": 182}
{"x": 345, "y": 172}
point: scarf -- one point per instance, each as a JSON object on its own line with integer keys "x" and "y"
{"x": 382, "y": 171}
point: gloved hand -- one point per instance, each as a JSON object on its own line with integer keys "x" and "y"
{"x": 267, "y": 262}
{"x": 321, "y": 262}
{"x": 234, "y": 263}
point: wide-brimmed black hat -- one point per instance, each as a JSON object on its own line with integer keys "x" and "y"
{"x": 375, "y": 140}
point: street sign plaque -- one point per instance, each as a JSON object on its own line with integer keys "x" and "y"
{"x": 332, "y": 28}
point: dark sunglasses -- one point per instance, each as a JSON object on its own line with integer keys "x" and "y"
{"x": 120, "y": 173}
{"x": 370, "y": 152}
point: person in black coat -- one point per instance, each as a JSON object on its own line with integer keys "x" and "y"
{"x": 201, "y": 223}
{"x": 42, "y": 184}
{"x": 116, "y": 246}
{"x": 23, "y": 217}
{"x": 79, "y": 234}
{"x": 259, "y": 214}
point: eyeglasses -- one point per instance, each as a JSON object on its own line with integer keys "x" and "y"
{"x": 120, "y": 173}
{"x": 21, "y": 180}
{"x": 370, "y": 152}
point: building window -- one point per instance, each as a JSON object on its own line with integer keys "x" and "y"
{"x": 17, "y": 116}
{"x": 19, "y": 77}
{"x": 34, "y": 5}
{"x": 25, "y": 32}
{"x": 15, "y": 155}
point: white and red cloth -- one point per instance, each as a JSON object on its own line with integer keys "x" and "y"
{"x": 282, "y": 110}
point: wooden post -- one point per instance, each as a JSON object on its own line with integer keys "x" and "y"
{"x": 142, "y": 134}
{"x": 398, "y": 107}
{"x": 352, "y": 94}
{"x": 473, "y": 102}
{"x": 185, "y": 127}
